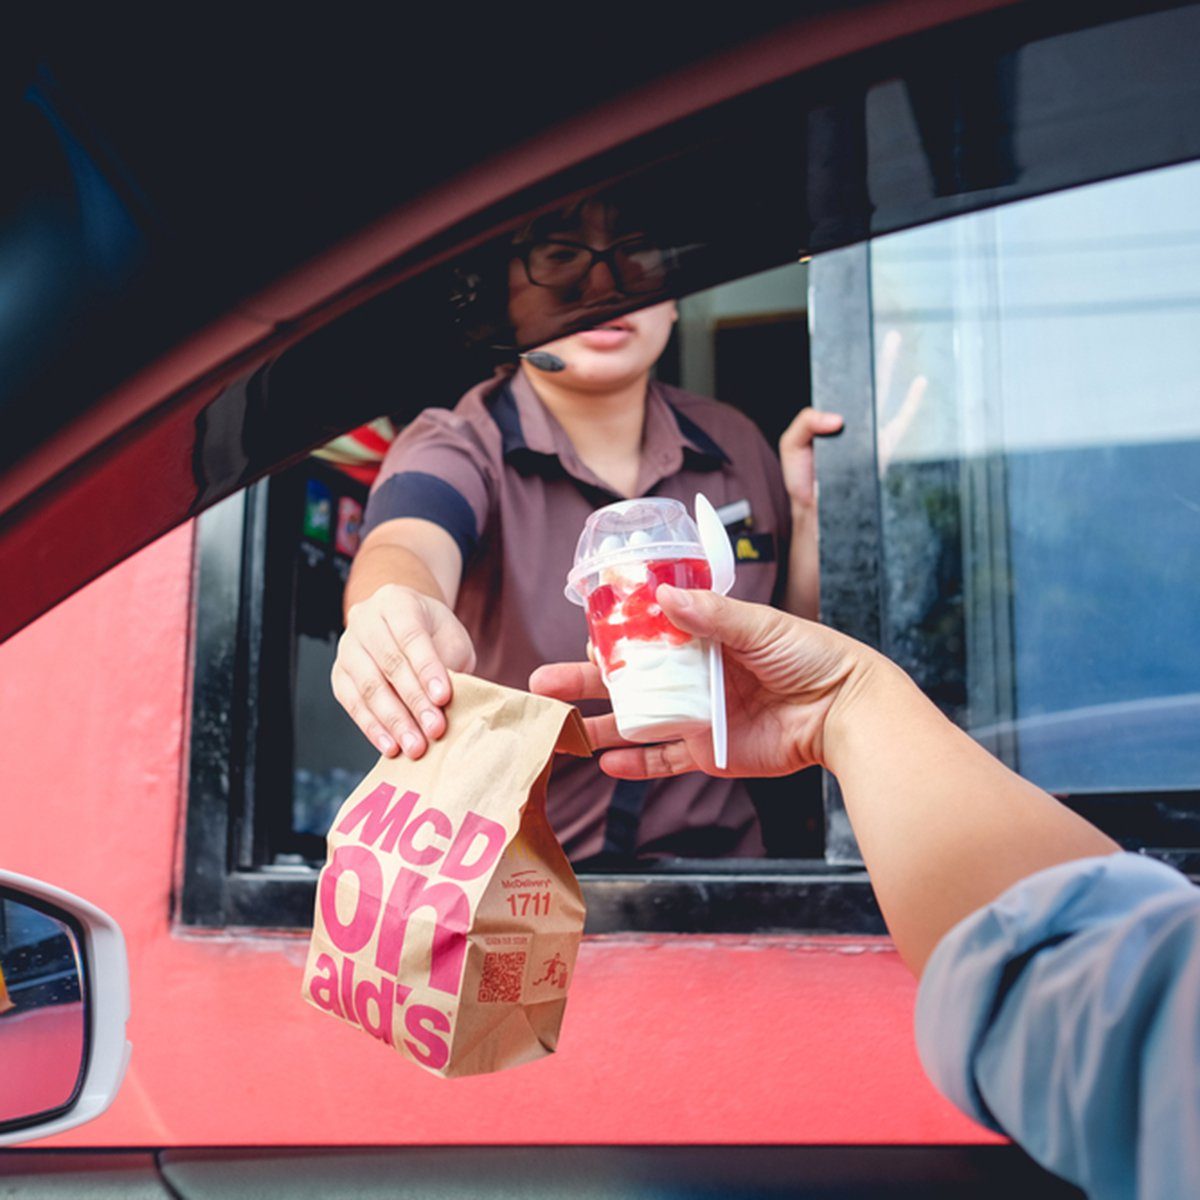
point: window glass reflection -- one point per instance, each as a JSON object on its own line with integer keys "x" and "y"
{"x": 1038, "y": 438}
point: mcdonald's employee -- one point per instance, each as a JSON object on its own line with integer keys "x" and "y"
{"x": 471, "y": 527}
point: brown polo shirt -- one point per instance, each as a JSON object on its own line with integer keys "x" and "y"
{"x": 500, "y": 475}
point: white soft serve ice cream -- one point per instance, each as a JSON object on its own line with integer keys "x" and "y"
{"x": 657, "y": 676}
{"x": 661, "y": 691}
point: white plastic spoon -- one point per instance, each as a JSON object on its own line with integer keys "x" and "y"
{"x": 719, "y": 553}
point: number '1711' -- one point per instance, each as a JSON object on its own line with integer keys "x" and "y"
{"x": 529, "y": 904}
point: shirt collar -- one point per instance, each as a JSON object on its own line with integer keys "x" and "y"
{"x": 698, "y": 445}
{"x": 534, "y": 442}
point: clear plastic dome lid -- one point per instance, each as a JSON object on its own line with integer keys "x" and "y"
{"x": 632, "y": 531}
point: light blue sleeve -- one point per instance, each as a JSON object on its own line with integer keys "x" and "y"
{"x": 1066, "y": 1015}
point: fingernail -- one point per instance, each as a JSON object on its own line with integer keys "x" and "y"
{"x": 439, "y": 693}
{"x": 411, "y": 744}
{"x": 428, "y": 721}
{"x": 679, "y": 597}
{"x": 385, "y": 744}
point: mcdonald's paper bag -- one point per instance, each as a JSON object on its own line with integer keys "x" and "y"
{"x": 447, "y": 916}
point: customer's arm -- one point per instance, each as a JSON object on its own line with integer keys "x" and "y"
{"x": 944, "y": 828}
{"x": 1060, "y": 986}
{"x": 1066, "y": 1014}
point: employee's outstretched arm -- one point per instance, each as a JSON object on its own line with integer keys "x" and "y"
{"x": 944, "y": 828}
{"x": 402, "y": 637}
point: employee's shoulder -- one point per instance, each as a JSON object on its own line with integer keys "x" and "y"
{"x": 717, "y": 419}
{"x": 469, "y": 421}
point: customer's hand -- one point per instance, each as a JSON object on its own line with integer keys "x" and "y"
{"x": 783, "y": 677}
{"x": 391, "y": 669}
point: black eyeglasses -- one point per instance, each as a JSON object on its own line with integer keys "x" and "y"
{"x": 636, "y": 266}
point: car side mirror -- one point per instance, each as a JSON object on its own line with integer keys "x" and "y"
{"x": 64, "y": 1002}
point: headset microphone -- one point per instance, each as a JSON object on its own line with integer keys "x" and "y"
{"x": 543, "y": 360}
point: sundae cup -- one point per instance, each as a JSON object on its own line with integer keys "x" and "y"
{"x": 656, "y": 675}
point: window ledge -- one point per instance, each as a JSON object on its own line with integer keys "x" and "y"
{"x": 815, "y": 899}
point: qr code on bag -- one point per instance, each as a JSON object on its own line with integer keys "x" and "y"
{"x": 502, "y": 977}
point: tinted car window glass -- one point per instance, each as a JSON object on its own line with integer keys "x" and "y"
{"x": 1039, "y": 455}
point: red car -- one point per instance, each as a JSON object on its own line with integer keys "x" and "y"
{"x": 971, "y": 228}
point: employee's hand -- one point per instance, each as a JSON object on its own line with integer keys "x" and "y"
{"x": 796, "y": 453}
{"x": 799, "y": 477}
{"x": 783, "y": 676}
{"x": 391, "y": 669}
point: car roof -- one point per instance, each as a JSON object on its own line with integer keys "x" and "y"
{"x": 261, "y": 187}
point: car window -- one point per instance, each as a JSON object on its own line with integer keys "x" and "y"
{"x": 929, "y": 515}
